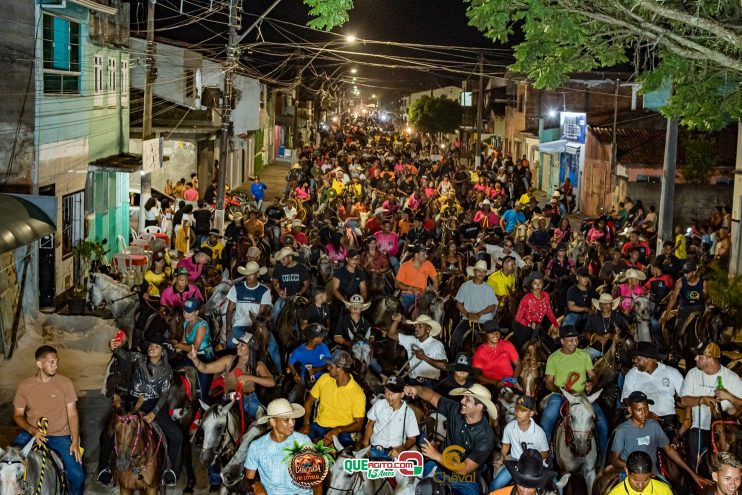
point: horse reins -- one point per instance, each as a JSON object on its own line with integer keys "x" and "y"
{"x": 128, "y": 419}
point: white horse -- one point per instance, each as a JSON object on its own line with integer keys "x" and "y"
{"x": 576, "y": 450}
{"x": 341, "y": 482}
{"x": 233, "y": 472}
{"x": 216, "y": 306}
{"x": 21, "y": 473}
{"x": 643, "y": 309}
{"x": 120, "y": 299}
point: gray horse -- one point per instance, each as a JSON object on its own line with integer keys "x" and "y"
{"x": 643, "y": 309}
{"x": 341, "y": 482}
{"x": 120, "y": 299}
{"x": 15, "y": 465}
{"x": 233, "y": 471}
{"x": 575, "y": 449}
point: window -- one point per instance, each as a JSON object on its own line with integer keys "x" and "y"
{"x": 111, "y": 82}
{"x": 98, "y": 74}
{"x": 651, "y": 179}
{"x": 73, "y": 221}
{"x": 61, "y": 54}
{"x": 124, "y": 83}
{"x": 190, "y": 84}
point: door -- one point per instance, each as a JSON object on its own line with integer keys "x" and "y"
{"x": 47, "y": 255}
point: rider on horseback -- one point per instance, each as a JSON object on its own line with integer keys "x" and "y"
{"x": 476, "y": 301}
{"x": 150, "y": 378}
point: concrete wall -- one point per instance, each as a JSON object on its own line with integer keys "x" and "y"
{"x": 693, "y": 203}
{"x": 246, "y": 114}
{"x": 172, "y": 61}
{"x": 17, "y": 107}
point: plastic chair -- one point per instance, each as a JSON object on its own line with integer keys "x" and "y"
{"x": 122, "y": 246}
{"x": 153, "y": 229}
{"x": 147, "y": 236}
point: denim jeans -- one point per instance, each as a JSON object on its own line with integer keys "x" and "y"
{"x": 394, "y": 262}
{"x": 593, "y": 353}
{"x": 458, "y": 487}
{"x": 61, "y": 445}
{"x": 273, "y": 351}
{"x": 407, "y": 300}
{"x": 501, "y": 479}
{"x": 379, "y": 454}
{"x": 277, "y": 308}
{"x": 204, "y": 380}
{"x": 316, "y": 431}
{"x": 551, "y": 414}
{"x": 573, "y": 319}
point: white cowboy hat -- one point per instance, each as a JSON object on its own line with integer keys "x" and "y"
{"x": 296, "y": 223}
{"x": 285, "y": 251}
{"x": 356, "y": 301}
{"x": 435, "y": 327}
{"x": 556, "y": 194}
{"x": 606, "y": 298}
{"x": 486, "y": 202}
{"x": 252, "y": 267}
{"x": 634, "y": 273}
{"x": 482, "y": 394}
{"x": 296, "y": 166}
{"x": 479, "y": 265}
{"x": 281, "y": 408}
{"x": 379, "y": 211}
{"x": 237, "y": 216}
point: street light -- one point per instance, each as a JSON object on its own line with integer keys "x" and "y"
{"x": 552, "y": 113}
{"x": 353, "y": 70}
{"x": 351, "y": 38}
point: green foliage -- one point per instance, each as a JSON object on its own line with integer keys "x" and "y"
{"x": 726, "y": 293}
{"x": 694, "y": 45}
{"x": 700, "y": 159}
{"x": 328, "y": 13}
{"x": 435, "y": 115}
{"x": 86, "y": 252}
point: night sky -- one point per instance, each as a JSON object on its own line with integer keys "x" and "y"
{"x": 429, "y": 22}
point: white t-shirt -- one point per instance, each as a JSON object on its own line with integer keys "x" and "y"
{"x": 661, "y": 387}
{"x": 497, "y": 254}
{"x": 534, "y": 438}
{"x": 392, "y": 427}
{"x": 699, "y": 384}
{"x": 433, "y": 349}
{"x": 477, "y": 297}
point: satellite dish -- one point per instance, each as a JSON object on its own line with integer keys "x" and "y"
{"x": 199, "y": 84}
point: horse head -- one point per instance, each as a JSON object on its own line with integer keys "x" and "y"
{"x": 95, "y": 294}
{"x": 643, "y": 308}
{"x": 581, "y": 422}
{"x": 341, "y": 481}
{"x": 362, "y": 352}
{"x": 12, "y": 471}
{"x": 233, "y": 471}
{"x": 129, "y": 431}
{"x": 220, "y": 426}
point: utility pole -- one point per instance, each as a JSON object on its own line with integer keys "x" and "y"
{"x": 234, "y": 20}
{"x": 480, "y": 104}
{"x": 667, "y": 197}
{"x": 145, "y": 189}
{"x": 614, "y": 148}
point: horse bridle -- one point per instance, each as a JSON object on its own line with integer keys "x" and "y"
{"x": 24, "y": 482}
{"x": 128, "y": 418}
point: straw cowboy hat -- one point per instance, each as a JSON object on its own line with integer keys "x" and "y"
{"x": 435, "y": 327}
{"x": 486, "y": 202}
{"x": 633, "y": 273}
{"x": 252, "y": 267}
{"x": 281, "y": 408}
{"x": 285, "y": 251}
{"x": 556, "y": 195}
{"x": 480, "y": 265}
{"x": 296, "y": 224}
{"x": 296, "y": 166}
{"x": 482, "y": 394}
{"x": 237, "y": 216}
{"x": 356, "y": 301}
{"x": 606, "y": 298}
{"x": 379, "y": 211}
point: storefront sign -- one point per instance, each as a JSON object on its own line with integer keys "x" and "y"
{"x": 573, "y": 126}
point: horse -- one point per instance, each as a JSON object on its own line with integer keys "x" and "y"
{"x": 382, "y": 309}
{"x": 32, "y": 472}
{"x": 532, "y": 369}
{"x": 576, "y": 450}
{"x": 617, "y": 360}
{"x": 233, "y": 471}
{"x": 358, "y": 483}
{"x": 287, "y": 335}
{"x": 221, "y": 427}
{"x": 215, "y": 309}
{"x": 138, "y": 449}
{"x": 120, "y": 299}
{"x": 643, "y": 311}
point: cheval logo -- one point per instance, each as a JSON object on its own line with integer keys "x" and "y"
{"x": 451, "y": 457}
{"x": 308, "y": 464}
{"x": 409, "y": 463}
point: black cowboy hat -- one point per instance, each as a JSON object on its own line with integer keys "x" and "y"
{"x": 647, "y": 350}
{"x": 529, "y": 470}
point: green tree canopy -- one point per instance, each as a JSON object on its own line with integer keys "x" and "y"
{"x": 696, "y": 45}
{"x": 435, "y": 115}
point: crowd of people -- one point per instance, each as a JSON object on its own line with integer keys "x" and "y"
{"x": 377, "y": 217}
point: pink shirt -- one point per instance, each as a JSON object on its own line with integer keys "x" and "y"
{"x": 627, "y": 296}
{"x": 486, "y": 220}
{"x": 173, "y": 299}
{"x": 190, "y": 194}
{"x": 194, "y": 269}
{"x": 387, "y": 242}
{"x": 532, "y": 310}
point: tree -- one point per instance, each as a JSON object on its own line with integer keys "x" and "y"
{"x": 435, "y": 115}
{"x": 694, "y": 45}
{"x": 701, "y": 159}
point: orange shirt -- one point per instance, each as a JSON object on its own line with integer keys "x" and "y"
{"x": 418, "y": 278}
{"x": 403, "y": 227}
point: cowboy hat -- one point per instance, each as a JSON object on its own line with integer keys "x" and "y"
{"x": 479, "y": 265}
{"x": 556, "y": 194}
{"x": 252, "y": 267}
{"x": 281, "y": 408}
{"x": 606, "y": 298}
{"x": 379, "y": 211}
{"x": 534, "y": 275}
{"x": 356, "y": 301}
{"x": 486, "y": 202}
{"x": 463, "y": 363}
{"x": 633, "y": 273}
{"x": 237, "y": 216}
{"x": 285, "y": 251}
{"x": 435, "y": 327}
{"x": 529, "y": 471}
{"x": 296, "y": 166}
{"x": 480, "y": 393}
{"x": 296, "y": 223}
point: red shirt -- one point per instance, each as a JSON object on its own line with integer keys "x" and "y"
{"x": 532, "y": 310}
{"x": 496, "y": 363}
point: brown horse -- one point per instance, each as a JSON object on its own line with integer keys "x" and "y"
{"x": 533, "y": 364}
{"x": 138, "y": 449}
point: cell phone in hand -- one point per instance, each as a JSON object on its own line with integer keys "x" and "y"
{"x": 120, "y": 336}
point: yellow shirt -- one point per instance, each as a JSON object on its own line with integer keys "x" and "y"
{"x": 338, "y": 406}
{"x": 503, "y": 284}
{"x": 215, "y": 250}
{"x": 338, "y": 185}
{"x": 655, "y": 487}
{"x": 680, "y": 247}
{"x": 525, "y": 199}
{"x": 455, "y": 206}
{"x": 155, "y": 281}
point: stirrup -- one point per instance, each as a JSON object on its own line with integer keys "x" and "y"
{"x": 169, "y": 478}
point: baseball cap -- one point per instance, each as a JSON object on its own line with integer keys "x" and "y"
{"x": 394, "y": 384}
{"x": 419, "y": 248}
{"x": 689, "y": 267}
{"x": 192, "y": 304}
{"x": 710, "y": 349}
{"x": 315, "y": 330}
{"x": 526, "y": 402}
{"x": 638, "y": 396}
{"x": 181, "y": 271}
{"x": 341, "y": 359}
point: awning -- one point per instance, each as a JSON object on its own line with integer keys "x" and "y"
{"x": 558, "y": 146}
{"x": 21, "y": 222}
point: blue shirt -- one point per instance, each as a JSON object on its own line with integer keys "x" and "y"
{"x": 512, "y": 218}
{"x": 258, "y": 190}
{"x": 267, "y": 458}
{"x": 314, "y": 357}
